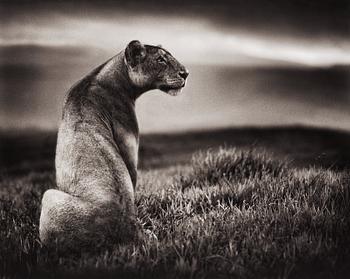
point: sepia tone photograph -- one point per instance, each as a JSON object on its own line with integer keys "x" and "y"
{"x": 175, "y": 139}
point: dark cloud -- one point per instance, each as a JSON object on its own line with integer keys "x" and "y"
{"x": 35, "y": 54}
{"x": 34, "y": 80}
{"x": 308, "y": 18}
{"x": 17, "y": 86}
{"x": 320, "y": 87}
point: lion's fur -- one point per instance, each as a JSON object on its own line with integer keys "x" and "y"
{"x": 97, "y": 150}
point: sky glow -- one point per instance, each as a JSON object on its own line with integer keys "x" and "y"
{"x": 193, "y": 40}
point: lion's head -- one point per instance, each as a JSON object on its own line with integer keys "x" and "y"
{"x": 153, "y": 67}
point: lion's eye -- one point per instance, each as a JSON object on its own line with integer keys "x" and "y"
{"x": 161, "y": 60}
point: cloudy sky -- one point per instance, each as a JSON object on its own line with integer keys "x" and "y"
{"x": 285, "y": 61}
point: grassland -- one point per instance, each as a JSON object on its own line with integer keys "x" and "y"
{"x": 250, "y": 203}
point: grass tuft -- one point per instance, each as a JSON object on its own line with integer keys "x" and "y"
{"x": 228, "y": 165}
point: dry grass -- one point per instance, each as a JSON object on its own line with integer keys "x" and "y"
{"x": 232, "y": 212}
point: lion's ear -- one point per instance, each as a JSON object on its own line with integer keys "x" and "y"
{"x": 135, "y": 53}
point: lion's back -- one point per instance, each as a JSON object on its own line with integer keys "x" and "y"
{"x": 87, "y": 161}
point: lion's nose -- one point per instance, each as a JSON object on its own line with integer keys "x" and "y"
{"x": 184, "y": 74}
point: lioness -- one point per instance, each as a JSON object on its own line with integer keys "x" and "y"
{"x": 97, "y": 148}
